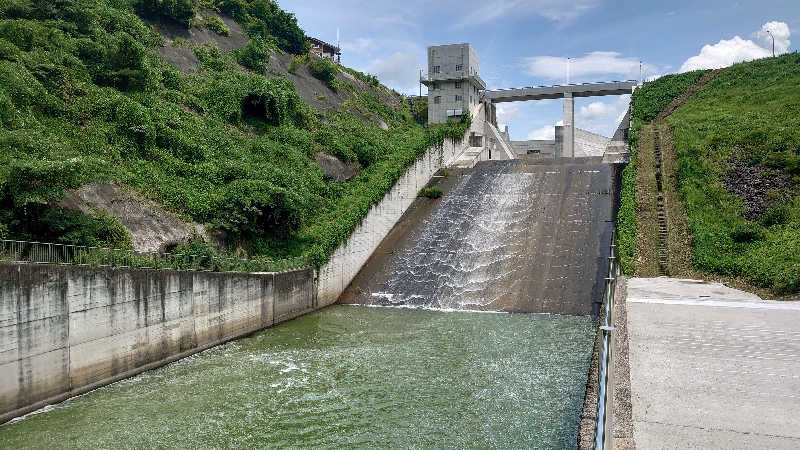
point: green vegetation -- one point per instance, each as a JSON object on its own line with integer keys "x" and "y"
{"x": 265, "y": 19}
{"x": 85, "y": 97}
{"x": 749, "y": 111}
{"x": 652, "y": 97}
{"x": 431, "y": 192}
{"x": 295, "y": 62}
{"x": 324, "y": 70}
{"x": 254, "y": 56}
{"x": 182, "y": 11}
{"x": 217, "y": 25}
{"x": 626, "y": 218}
{"x": 646, "y": 102}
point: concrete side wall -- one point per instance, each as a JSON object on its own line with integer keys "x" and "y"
{"x": 534, "y": 147}
{"x": 589, "y": 144}
{"x": 348, "y": 259}
{"x": 65, "y": 330}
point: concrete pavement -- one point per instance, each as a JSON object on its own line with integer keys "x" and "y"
{"x": 712, "y": 367}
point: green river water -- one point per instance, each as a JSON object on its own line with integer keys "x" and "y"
{"x": 351, "y": 377}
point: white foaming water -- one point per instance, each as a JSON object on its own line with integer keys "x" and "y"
{"x": 468, "y": 243}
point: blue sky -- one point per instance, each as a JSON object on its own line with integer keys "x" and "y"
{"x": 527, "y": 43}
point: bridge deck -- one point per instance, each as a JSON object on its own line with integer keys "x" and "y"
{"x": 559, "y": 91}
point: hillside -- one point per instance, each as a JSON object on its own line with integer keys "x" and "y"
{"x": 209, "y": 115}
{"x": 728, "y": 162}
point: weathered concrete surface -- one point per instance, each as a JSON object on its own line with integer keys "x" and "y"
{"x": 65, "y": 330}
{"x": 712, "y": 367}
{"x": 518, "y": 236}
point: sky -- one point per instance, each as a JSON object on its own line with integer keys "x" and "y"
{"x": 531, "y": 42}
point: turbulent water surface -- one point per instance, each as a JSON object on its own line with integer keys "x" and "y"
{"x": 346, "y": 377}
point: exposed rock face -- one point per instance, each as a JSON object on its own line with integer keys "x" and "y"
{"x": 152, "y": 227}
{"x": 182, "y": 57}
{"x": 334, "y": 169}
{"x": 753, "y": 185}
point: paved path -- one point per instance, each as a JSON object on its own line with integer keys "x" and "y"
{"x": 712, "y": 367}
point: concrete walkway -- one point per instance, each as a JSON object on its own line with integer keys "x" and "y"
{"x": 712, "y": 367}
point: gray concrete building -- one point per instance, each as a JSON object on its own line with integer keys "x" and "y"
{"x": 453, "y": 81}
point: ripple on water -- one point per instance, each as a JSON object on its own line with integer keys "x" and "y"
{"x": 346, "y": 376}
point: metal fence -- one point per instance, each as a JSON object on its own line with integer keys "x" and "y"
{"x": 605, "y": 397}
{"x": 24, "y": 252}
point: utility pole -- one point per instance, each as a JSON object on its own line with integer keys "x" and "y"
{"x": 640, "y": 72}
{"x": 773, "y": 42}
{"x": 420, "y": 82}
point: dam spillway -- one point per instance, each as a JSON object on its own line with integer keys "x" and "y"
{"x": 523, "y": 235}
{"x": 514, "y": 236}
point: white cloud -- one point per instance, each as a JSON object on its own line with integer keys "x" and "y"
{"x": 400, "y": 71}
{"x": 506, "y": 113}
{"x": 724, "y": 53}
{"x": 781, "y": 32}
{"x": 554, "y": 10}
{"x": 545, "y": 133}
{"x": 727, "y": 52}
{"x": 360, "y": 45}
{"x": 594, "y": 63}
{"x": 602, "y": 117}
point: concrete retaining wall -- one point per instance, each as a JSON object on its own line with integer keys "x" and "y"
{"x": 65, "y": 330}
{"x": 348, "y": 259}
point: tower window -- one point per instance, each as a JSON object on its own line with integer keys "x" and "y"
{"x": 459, "y": 67}
{"x": 459, "y": 98}
{"x": 458, "y": 85}
{"x": 437, "y": 69}
{"x": 437, "y": 99}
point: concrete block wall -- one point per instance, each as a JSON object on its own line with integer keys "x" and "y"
{"x": 589, "y": 144}
{"x": 348, "y": 259}
{"x": 65, "y": 330}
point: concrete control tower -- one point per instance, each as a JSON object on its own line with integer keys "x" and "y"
{"x": 454, "y": 84}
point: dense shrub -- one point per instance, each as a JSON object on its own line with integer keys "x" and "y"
{"x": 216, "y": 25}
{"x": 295, "y": 62}
{"x": 182, "y": 11}
{"x": 271, "y": 20}
{"x": 255, "y": 56}
{"x": 324, "y": 70}
{"x": 431, "y": 192}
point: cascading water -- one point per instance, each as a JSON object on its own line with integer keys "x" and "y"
{"x": 509, "y": 235}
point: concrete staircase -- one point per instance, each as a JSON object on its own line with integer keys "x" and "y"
{"x": 468, "y": 158}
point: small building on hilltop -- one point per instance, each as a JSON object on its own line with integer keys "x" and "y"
{"x": 324, "y": 50}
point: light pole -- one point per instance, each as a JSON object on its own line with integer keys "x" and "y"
{"x": 773, "y": 42}
{"x": 568, "y": 61}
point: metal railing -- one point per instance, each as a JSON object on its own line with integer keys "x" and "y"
{"x": 605, "y": 398}
{"x": 24, "y": 252}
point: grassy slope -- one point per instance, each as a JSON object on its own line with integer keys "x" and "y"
{"x": 646, "y": 103}
{"x": 84, "y": 97}
{"x": 750, "y": 110}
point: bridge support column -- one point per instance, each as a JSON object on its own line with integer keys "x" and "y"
{"x": 568, "y": 150}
